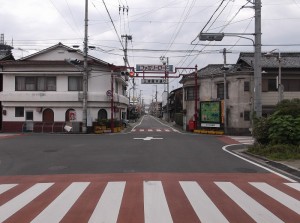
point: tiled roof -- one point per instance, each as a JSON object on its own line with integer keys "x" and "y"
{"x": 210, "y": 69}
{"x": 288, "y": 59}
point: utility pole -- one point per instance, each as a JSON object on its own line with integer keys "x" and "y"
{"x": 156, "y": 107}
{"x": 167, "y": 77}
{"x": 162, "y": 58}
{"x": 85, "y": 72}
{"x": 128, "y": 37}
{"x": 257, "y": 60}
{"x": 225, "y": 93}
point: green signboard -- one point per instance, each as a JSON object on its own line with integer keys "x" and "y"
{"x": 210, "y": 113}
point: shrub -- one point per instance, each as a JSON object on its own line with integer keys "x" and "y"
{"x": 284, "y": 129}
{"x": 260, "y": 130}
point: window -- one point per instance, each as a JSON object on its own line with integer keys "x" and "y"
{"x": 75, "y": 83}
{"x": 19, "y": 111}
{"x": 220, "y": 91}
{"x": 246, "y": 86}
{"x": 272, "y": 85}
{"x": 117, "y": 87}
{"x": 35, "y": 84}
{"x": 291, "y": 84}
{"x": 46, "y": 83}
{"x": 189, "y": 93}
{"x": 247, "y": 115}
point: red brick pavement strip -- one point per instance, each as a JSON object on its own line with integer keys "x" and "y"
{"x": 228, "y": 140}
{"x": 6, "y": 136}
{"x": 134, "y": 177}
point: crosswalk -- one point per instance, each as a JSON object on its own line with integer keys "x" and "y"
{"x": 153, "y": 130}
{"x": 150, "y": 201}
{"x": 247, "y": 140}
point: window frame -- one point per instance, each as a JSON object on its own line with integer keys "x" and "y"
{"x": 31, "y": 83}
{"x": 19, "y": 112}
{"x": 79, "y": 83}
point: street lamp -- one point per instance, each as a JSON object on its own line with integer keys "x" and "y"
{"x": 257, "y": 63}
{"x": 280, "y": 87}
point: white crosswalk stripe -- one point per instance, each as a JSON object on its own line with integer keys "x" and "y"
{"x": 247, "y": 140}
{"x": 281, "y": 197}
{"x": 203, "y": 206}
{"x": 6, "y": 187}
{"x": 296, "y": 186}
{"x": 248, "y": 204}
{"x": 14, "y": 205}
{"x": 109, "y": 204}
{"x": 62, "y": 203}
{"x": 157, "y": 204}
{"x": 153, "y": 130}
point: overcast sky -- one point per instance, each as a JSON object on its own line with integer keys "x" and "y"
{"x": 158, "y": 28}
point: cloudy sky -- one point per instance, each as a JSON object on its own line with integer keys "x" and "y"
{"x": 158, "y": 28}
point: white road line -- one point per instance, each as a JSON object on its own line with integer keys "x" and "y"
{"x": 14, "y": 205}
{"x": 167, "y": 130}
{"x": 155, "y": 204}
{"x": 62, "y": 204}
{"x": 255, "y": 210}
{"x": 296, "y": 186}
{"x": 6, "y": 187}
{"x": 224, "y": 148}
{"x": 133, "y": 130}
{"x": 108, "y": 207}
{"x": 158, "y": 130}
{"x": 150, "y": 130}
{"x": 142, "y": 130}
{"x": 279, "y": 196}
{"x": 202, "y": 204}
{"x": 175, "y": 130}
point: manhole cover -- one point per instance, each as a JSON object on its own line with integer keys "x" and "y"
{"x": 57, "y": 167}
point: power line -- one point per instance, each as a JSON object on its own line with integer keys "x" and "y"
{"x": 113, "y": 24}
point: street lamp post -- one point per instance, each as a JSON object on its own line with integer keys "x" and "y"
{"x": 280, "y": 87}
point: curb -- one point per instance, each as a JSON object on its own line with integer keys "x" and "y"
{"x": 287, "y": 170}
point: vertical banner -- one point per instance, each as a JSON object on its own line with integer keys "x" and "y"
{"x": 72, "y": 116}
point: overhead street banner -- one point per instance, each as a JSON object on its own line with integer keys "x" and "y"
{"x": 153, "y": 67}
{"x": 154, "y": 81}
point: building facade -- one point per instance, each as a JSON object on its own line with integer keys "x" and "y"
{"x": 44, "y": 91}
{"x": 240, "y": 88}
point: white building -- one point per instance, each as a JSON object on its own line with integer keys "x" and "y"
{"x": 43, "y": 92}
{"x": 240, "y": 89}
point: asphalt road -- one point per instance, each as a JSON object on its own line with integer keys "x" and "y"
{"x": 150, "y": 146}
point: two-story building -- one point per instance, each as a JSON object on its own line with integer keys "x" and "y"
{"x": 240, "y": 88}
{"x": 43, "y": 91}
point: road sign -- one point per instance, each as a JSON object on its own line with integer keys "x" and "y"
{"x": 109, "y": 93}
{"x": 153, "y": 67}
{"x": 154, "y": 81}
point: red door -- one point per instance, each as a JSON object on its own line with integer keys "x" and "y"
{"x": 48, "y": 115}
